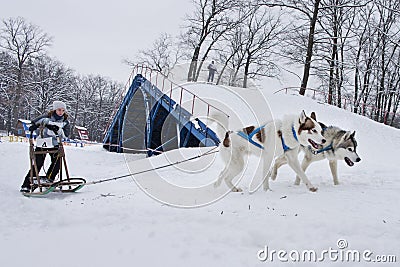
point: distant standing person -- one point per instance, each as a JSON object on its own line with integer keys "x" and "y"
{"x": 211, "y": 71}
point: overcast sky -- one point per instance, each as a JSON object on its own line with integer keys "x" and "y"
{"x": 93, "y": 37}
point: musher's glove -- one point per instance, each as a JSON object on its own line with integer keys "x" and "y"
{"x": 33, "y": 127}
{"x": 52, "y": 127}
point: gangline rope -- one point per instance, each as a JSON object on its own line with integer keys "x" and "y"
{"x": 209, "y": 152}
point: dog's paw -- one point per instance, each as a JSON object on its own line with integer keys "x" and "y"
{"x": 313, "y": 189}
{"x": 297, "y": 182}
{"x": 237, "y": 189}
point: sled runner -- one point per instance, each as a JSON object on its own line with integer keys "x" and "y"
{"x": 40, "y": 186}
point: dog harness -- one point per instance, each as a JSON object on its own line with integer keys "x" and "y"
{"x": 249, "y": 137}
{"x": 284, "y": 146}
{"x": 327, "y": 148}
{"x": 315, "y": 152}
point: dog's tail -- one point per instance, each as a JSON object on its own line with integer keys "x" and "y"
{"x": 221, "y": 123}
{"x": 227, "y": 140}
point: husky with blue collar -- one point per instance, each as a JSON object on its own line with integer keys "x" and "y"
{"x": 340, "y": 145}
{"x": 274, "y": 139}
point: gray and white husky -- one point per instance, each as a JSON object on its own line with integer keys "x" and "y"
{"x": 277, "y": 138}
{"x": 340, "y": 145}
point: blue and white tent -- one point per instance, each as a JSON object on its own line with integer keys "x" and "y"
{"x": 149, "y": 121}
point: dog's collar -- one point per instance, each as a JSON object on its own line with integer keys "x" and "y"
{"x": 327, "y": 148}
{"x": 249, "y": 137}
{"x": 284, "y": 146}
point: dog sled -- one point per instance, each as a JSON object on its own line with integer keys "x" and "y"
{"x": 63, "y": 183}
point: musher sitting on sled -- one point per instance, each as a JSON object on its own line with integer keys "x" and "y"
{"x": 55, "y": 124}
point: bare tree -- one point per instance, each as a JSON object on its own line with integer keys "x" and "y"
{"x": 49, "y": 80}
{"x": 8, "y": 81}
{"x": 205, "y": 27}
{"x": 363, "y": 54}
{"x": 92, "y": 100}
{"x": 30, "y": 81}
{"x": 310, "y": 44}
{"x": 23, "y": 41}
{"x": 231, "y": 53}
{"x": 309, "y": 9}
{"x": 337, "y": 18}
{"x": 162, "y": 56}
{"x": 75, "y": 102}
{"x": 389, "y": 48}
{"x": 262, "y": 35}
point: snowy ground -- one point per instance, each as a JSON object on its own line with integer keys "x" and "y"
{"x": 119, "y": 224}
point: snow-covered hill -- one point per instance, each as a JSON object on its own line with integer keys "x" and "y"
{"x": 119, "y": 223}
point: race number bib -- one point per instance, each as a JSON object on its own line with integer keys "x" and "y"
{"x": 44, "y": 142}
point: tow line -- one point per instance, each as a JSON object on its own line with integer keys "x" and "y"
{"x": 211, "y": 151}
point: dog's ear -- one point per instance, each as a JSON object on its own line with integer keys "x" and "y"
{"x": 353, "y": 134}
{"x": 347, "y": 135}
{"x": 313, "y": 116}
{"x": 303, "y": 117}
{"x": 323, "y": 126}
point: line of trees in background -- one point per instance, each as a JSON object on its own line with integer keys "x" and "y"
{"x": 350, "y": 48}
{"x": 30, "y": 81}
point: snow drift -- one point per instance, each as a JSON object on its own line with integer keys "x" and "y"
{"x": 121, "y": 224}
